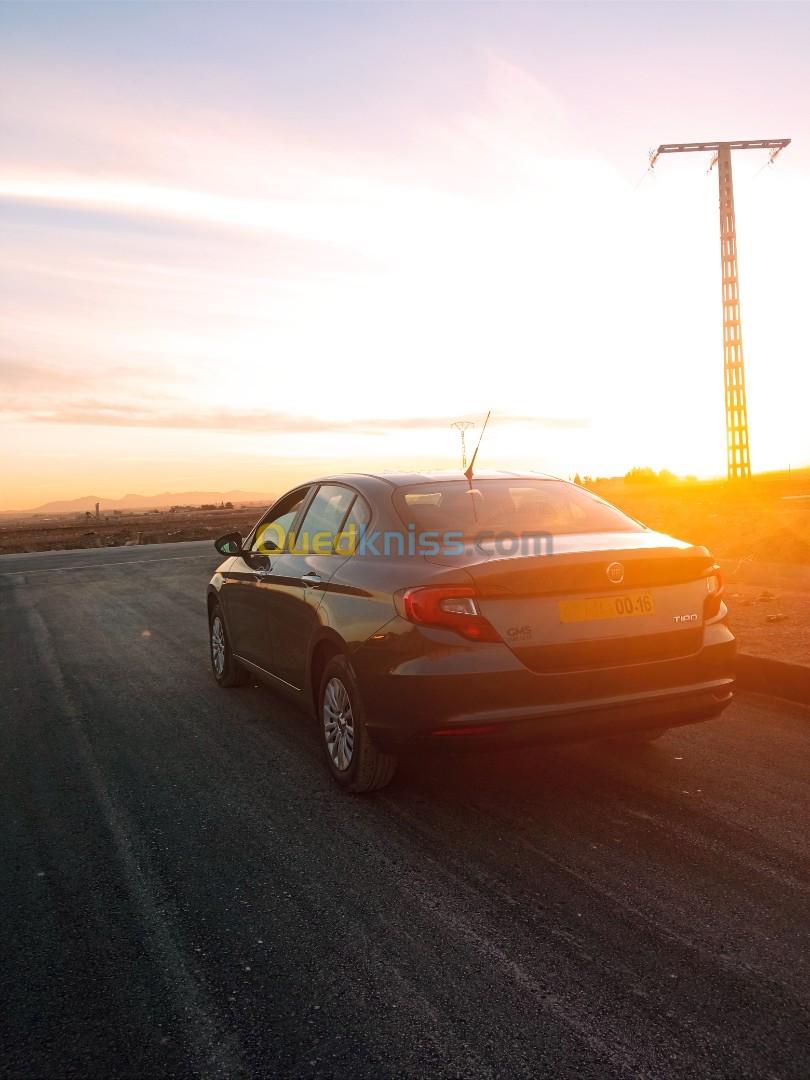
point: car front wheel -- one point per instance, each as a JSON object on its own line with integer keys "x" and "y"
{"x": 353, "y": 759}
{"x": 227, "y": 670}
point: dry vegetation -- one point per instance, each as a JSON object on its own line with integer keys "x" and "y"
{"x": 68, "y": 531}
{"x": 767, "y": 519}
{"x": 760, "y": 532}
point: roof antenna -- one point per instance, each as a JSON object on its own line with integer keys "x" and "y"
{"x": 468, "y": 472}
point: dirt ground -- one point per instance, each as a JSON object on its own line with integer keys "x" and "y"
{"x": 760, "y": 532}
{"x": 769, "y": 606}
{"x": 762, "y": 520}
{"x": 66, "y": 532}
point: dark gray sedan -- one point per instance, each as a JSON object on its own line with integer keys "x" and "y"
{"x": 434, "y": 610}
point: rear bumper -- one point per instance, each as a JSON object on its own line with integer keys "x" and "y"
{"x": 594, "y": 720}
{"x": 423, "y": 687}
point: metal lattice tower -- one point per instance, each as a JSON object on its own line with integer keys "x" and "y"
{"x": 463, "y": 426}
{"x": 737, "y": 444}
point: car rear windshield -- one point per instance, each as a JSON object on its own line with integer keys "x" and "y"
{"x": 502, "y": 506}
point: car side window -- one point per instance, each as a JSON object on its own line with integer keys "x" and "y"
{"x": 323, "y": 520}
{"x": 353, "y": 528}
{"x": 273, "y": 533}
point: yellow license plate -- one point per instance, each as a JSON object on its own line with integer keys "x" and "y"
{"x": 607, "y": 607}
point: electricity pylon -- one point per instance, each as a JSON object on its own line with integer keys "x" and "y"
{"x": 463, "y": 426}
{"x": 737, "y": 445}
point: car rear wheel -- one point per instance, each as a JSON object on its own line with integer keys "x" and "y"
{"x": 227, "y": 670}
{"x": 353, "y": 759}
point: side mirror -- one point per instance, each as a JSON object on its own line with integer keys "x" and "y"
{"x": 229, "y": 544}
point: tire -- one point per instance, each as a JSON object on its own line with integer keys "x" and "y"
{"x": 227, "y": 671}
{"x": 351, "y": 756}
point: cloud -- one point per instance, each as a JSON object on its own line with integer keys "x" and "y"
{"x": 107, "y": 155}
{"x": 22, "y": 376}
{"x": 104, "y": 414}
{"x": 34, "y": 391}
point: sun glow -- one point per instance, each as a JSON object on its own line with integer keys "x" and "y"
{"x": 267, "y": 303}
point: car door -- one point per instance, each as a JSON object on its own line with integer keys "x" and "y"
{"x": 299, "y": 577}
{"x": 248, "y": 580}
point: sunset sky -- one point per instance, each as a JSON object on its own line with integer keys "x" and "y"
{"x": 243, "y": 244}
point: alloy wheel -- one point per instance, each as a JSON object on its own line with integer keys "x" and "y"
{"x": 218, "y": 645}
{"x": 338, "y": 723}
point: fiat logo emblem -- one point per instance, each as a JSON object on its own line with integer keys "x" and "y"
{"x": 615, "y": 573}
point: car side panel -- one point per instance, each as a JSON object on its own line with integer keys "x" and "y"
{"x": 360, "y": 597}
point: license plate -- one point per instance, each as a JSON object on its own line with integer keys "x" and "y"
{"x": 607, "y": 607}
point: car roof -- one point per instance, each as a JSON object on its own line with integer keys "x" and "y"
{"x": 407, "y": 479}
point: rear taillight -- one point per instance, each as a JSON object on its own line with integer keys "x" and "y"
{"x": 714, "y": 588}
{"x": 452, "y": 607}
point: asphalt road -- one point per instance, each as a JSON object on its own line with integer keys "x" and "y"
{"x": 185, "y": 893}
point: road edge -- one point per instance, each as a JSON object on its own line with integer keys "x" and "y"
{"x": 777, "y": 678}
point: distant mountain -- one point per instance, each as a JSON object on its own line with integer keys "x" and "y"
{"x": 150, "y": 502}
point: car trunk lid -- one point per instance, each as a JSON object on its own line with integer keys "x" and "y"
{"x": 562, "y": 610}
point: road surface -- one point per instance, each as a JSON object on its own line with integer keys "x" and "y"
{"x": 185, "y": 892}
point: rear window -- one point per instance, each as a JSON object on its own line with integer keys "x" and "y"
{"x": 507, "y": 506}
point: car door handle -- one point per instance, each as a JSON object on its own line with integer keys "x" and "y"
{"x": 313, "y": 581}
